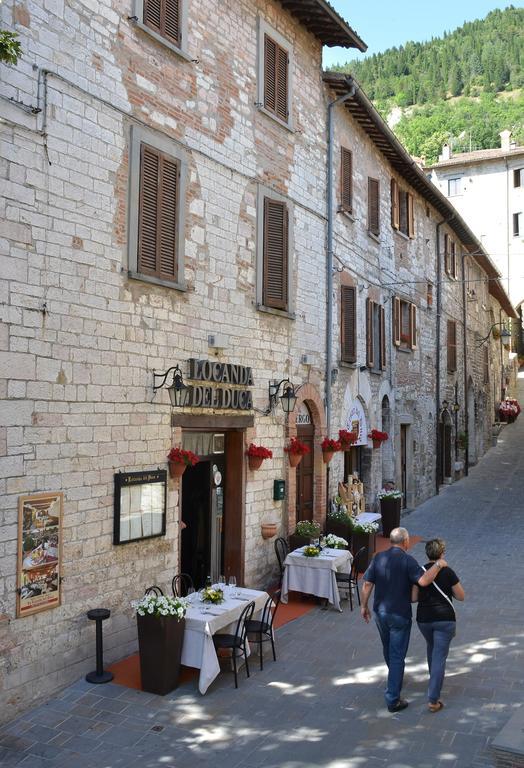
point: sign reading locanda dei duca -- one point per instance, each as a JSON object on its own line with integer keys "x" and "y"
{"x": 213, "y": 396}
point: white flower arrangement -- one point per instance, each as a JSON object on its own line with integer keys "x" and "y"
{"x": 365, "y": 527}
{"x": 334, "y": 542}
{"x": 389, "y": 493}
{"x": 159, "y": 605}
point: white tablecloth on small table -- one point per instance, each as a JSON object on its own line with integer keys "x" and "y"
{"x": 198, "y": 649}
{"x": 368, "y": 517}
{"x": 315, "y": 575}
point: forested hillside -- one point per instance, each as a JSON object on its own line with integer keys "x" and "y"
{"x": 464, "y": 87}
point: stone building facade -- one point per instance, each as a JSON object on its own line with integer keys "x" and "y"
{"x": 104, "y": 284}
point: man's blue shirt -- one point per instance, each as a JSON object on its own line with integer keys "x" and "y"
{"x": 393, "y": 573}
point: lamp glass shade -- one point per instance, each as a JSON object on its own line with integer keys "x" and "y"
{"x": 178, "y": 393}
{"x": 445, "y": 404}
{"x": 288, "y": 399}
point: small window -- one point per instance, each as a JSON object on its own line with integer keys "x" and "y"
{"x": 404, "y": 324}
{"x": 450, "y": 257}
{"x": 517, "y": 224}
{"x": 274, "y": 249}
{"x": 346, "y": 180}
{"x": 348, "y": 324}
{"x": 275, "y": 65}
{"x": 402, "y": 210}
{"x": 452, "y": 346}
{"x": 429, "y": 295}
{"x": 454, "y": 187}
{"x": 373, "y": 206}
{"x": 166, "y": 21}
{"x": 517, "y": 177}
{"x": 375, "y": 336}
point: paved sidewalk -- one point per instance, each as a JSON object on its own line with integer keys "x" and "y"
{"x": 321, "y": 703}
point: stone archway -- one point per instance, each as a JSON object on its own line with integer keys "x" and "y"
{"x": 308, "y": 395}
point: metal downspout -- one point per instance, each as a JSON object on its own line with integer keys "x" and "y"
{"x": 465, "y": 356}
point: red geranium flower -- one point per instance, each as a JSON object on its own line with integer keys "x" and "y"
{"x": 346, "y": 437}
{"x": 330, "y": 445}
{"x": 180, "y": 456}
{"x": 259, "y": 451}
{"x": 376, "y": 434}
{"x": 297, "y": 447}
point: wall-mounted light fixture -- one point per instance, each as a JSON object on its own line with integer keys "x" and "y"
{"x": 178, "y": 391}
{"x": 288, "y": 398}
{"x": 456, "y": 407}
{"x": 505, "y": 335}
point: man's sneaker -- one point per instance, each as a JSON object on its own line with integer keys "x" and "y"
{"x": 399, "y": 706}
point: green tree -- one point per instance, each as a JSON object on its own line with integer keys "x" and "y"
{"x": 10, "y": 48}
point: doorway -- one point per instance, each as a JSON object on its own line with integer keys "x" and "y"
{"x": 305, "y": 470}
{"x": 404, "y": 463}
{"x": 445, "y": 428}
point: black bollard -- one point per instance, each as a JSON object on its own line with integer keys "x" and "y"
{"x": 99, "y": 615}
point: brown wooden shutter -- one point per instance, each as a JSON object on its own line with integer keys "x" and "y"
{"x": 382, "y": 329}
{"x": 270, "y": 73}
{"x": 275, "y": 269}
{"x": 346, "y": 174}
{"x": 369, "y": 334}
{"x": 282, "y": 78}
{"x": 452, "y": 346}
{"x": 373, "y": 206}
{"x": 157, "y": 217}
{"x": 164, "y": 17}
{"x": 396, "y": 321}
{"x": 413, "y": 326}
{"x": 453, "y": 259}
{"x": 411, "y": 217}
{"x": 395, "y": 212}
{"x": 348, "y": 317}
{"x": 446, "y": 254}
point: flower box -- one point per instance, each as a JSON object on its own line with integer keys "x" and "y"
{"x": 256, "y": 455}
{"x": 268, "y": 530}
{"x": 390, "y": 513}
{"x": 160, "y": 641}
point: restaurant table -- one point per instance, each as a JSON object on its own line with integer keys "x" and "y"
{"x": 198, "y": 649}
{"x": 315, "y": 575}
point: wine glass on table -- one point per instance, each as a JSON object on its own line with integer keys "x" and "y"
{"x": 190, "y": 594}
{"x": 233, "y": 586}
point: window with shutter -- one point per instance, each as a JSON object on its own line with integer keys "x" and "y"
{"x": 403, "y": 211}
{"x": 276, "y": 77}
{"x": 373, "y": 206}
{"x": 395, "y": 220}
{"x": 164, "y": 17}
{"x": 375, "y": 336}
{"x": 411, "y": 217}
{"x": 348, "y": 321}
{"x": 396, "y": 321}
{"x": 158, "y": 213}
{"x": 275, "y": 254}
{"x": 413, "y": 326}
{"x": 486, "y": 364}
{"x": 346, "y": 175}
{"x": 369, "y": 334}
{"x": 453, "y": 259}
{"x": 404, "y": 324}
{"x": 447, "y": 249}
{"x": 452, "y": 346}
{"x": 382, "y": 330}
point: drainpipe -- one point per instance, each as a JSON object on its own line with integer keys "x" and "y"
{"x": 329, "y": 260}
{"x": 465, "y": 356}
{"x": 438, "y": 347}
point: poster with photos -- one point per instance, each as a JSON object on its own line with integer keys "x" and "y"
{"x": 39, "y": 552}
{"x": 140, "y": 505}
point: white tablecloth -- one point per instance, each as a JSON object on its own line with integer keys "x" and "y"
{"x": 198, "y": 649}
{"x": 315, "y": 575}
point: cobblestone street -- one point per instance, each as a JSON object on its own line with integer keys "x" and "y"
{"x": 321, "y": 703}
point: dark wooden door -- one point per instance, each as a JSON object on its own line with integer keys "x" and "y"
{"x": 305, "y": 474}
{"x": 403, "y": 462}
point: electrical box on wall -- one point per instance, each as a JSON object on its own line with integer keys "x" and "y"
{"x": 279, "y": 490}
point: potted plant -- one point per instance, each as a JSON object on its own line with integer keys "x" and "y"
{"x": 338, "y": 520}
{"x": 390, "y": 499}
{"x": 334, "y": 542}
{"x": 256, "y": 455}
{"x": 306, "y": 532}
{"x": 377, "y": 437}
{"x": 329, "y": 448}
{"x": 268, "y": 530}
{"x": 179, "y": 459}
{"x": 161, "y": 624}
{"x": 346, "y": 439}
{"x": 363, "y": 535}
{"x": 295, "y": 450}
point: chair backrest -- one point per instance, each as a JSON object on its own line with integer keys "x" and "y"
{"x": 181, "y": 583}
{"x": 154, "y": 590}
{"x": 281, "y": 550}
{"x": 359, "y": 562}
{"x": 270, "y": 608}
{"x": 246, "y": 615}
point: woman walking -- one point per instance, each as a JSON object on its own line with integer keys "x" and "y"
{"x": 436, "y": 619}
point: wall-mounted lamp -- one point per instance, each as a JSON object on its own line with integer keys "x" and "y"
{"x": 445, "y": 405}
{"x": 456, "y": 407}
{"x": 505, "y": 335}
{"x": 288, "y": 398}
{"x": 178, "y": 391}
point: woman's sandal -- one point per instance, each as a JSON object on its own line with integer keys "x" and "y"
{"x": 435, "y": 707}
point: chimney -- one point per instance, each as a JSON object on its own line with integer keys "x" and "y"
{"x": 505, "y": 143}
{"x": 445, "y": 154}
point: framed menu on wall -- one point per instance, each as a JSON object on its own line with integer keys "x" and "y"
{"x": 39, "y": 552}
{"x": 140, "y": 505}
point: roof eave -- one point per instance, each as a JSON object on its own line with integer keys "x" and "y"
{"x": 322, "y": 20}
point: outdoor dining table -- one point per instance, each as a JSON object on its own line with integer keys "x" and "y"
{"x": 198, "y": 649}
{"x": 315, "y": 575}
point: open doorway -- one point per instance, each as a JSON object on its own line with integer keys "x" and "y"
{"x": 305, "y": 470}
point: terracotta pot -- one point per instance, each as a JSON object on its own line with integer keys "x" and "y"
{"x": 294, "y": 459}
{"x": 160, "y": 641}
{"x": 176, "y": 468}
{"x": 377, "y": 443}
{"x": 268, "y": 530}
{"x": 255, "y": 462}
{"x": 327, "y": 456}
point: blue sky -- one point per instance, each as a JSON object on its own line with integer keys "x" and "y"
{"x": 383, "y": 24}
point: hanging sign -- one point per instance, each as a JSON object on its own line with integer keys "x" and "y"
{"x": 233, "y": 396}
{"x": 356, "y": 422}
{"x": 303, "y": 416}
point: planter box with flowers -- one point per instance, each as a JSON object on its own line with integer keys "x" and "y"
{"x": 179, "y": 460}
{"x": 256, "y": 455}
{"x": 329, "y": 448}
{"x": 306, "y": 532}
{"x": 160, "y": 623}
{"x": 390, "y": 504}
{"x": 295, "y": 450}
{"x": 364, "y": 535}
{"x": 339, "y": 520}
{"x": 334, "y": 542}
{"x": 377, "y": 437}
{"x": 346, "y": 439}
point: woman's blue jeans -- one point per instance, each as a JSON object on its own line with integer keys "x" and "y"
{"x": 394, "y": 632}
{"x": 438, "y": 636}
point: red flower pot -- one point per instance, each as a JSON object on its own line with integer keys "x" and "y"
{"x": 176, "y": 469}
{"x": 294, "y": 459}
{"x": 255, "y": 462}
{"x": 327, "y": 456}
{"x": 377, "y": 443}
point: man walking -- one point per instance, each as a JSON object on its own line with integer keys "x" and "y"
{"x": 393, "y": 573}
